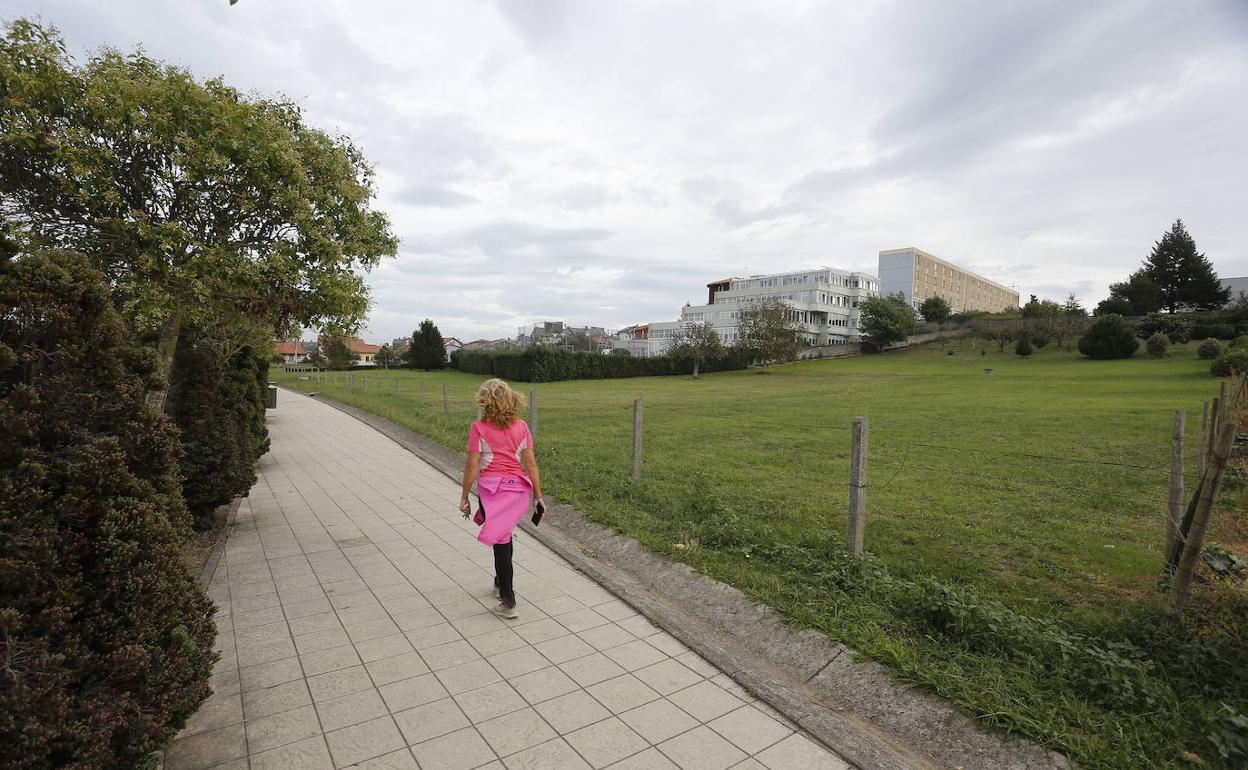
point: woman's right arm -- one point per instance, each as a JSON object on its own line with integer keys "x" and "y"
{"x": 470, "y": 475}
{"x": 529, "y": 460}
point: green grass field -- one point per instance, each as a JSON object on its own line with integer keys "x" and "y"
{"x": 1014, "y": 520}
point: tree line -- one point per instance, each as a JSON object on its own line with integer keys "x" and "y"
{"x": 156, "y": 233}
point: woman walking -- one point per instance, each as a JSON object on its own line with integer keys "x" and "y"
{"x": 500, "y": 451}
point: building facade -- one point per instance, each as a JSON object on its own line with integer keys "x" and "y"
{"x": 1237, "y": 286}
{"x": 919, "y": 275}
{"x": 823, "y": 301}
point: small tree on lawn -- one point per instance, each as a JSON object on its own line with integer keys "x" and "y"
{"x": 386, "y": 356}
{"x": 427, "y": 350}
{"x": 1157, "y": 345}
{"x": 1109, "y": 337}
{"x": 1023, "y": 346}
{"x": 696, "y": 343}
{"x": 935, "y": 310}
{"x": 1209, "y": 349}
{"x": 769, "y": 331}
{"x": 886, "y": 321}
{"x": 339, "y": 353}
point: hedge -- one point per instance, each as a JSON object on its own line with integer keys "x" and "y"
{"x": 105, "y": 634}
{"x": 545, "y": 364}
{"x": 218, "y": 403}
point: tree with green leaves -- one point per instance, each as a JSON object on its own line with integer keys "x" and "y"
{"x": 1184, "y": 277}
{"x": 193, "y": 199}
{"x": 886, "y": 321}
{"x": 386, "y": 356}
{"x": 1041, "y": 308}
{"x": 768, "y": 329}
{"x": 316, "y": 358}
{"x": 339, "y": 353}
{"x": 696, "y": 343}
{"x": 1073, "y": 308}
{"x": 427, "y": 350}
{"x": 935, "y": 310}
{"x": 1138, "y": 295}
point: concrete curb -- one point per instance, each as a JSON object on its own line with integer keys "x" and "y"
{"x": 218, "y": 549}
{"x": 855, "y": 707}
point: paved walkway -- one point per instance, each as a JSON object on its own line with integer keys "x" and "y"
{"x": 355, "y": 632}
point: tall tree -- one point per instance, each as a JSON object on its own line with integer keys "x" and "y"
{"x": 886, "y": 321}
{"x": 768, "y": 330}
{"x": 1073, "y": 308}
{"x": 1138, "y": 295}
{"x": 1184, "y": 277}
{"x": 696, "y": 343}
{"x": 191, "y": 197}
{"x": 427, "y": 350}
{"x": 1041, "y": 308}
{"x": 386, "y": 356}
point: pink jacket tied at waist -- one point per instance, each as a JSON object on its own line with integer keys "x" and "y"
{"x": 506, "y": 500}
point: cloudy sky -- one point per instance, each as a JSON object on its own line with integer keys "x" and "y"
{"x": 599, "y": 162}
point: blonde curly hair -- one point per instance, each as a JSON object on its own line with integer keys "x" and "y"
{"x": 500, "y": 405}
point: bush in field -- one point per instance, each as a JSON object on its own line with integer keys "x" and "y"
{"x": 1176, "y": 328}
{"x": 1218, "y": 331}
{"x": 1157, "y": 345}
{"x": 1209, "y": 349}
{"x": 1240, "y": 342}
{"x": 105, "y": 634}
{"x": 1023, "y": 346}
{"x": 1109, "y": 337}
{"x": 1233, "y": 362}
{"x": 217, "y": 399}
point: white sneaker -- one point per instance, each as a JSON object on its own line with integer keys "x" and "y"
{"x": 504, "y": 610}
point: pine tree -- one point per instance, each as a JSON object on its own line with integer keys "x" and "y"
{"x": 1182, "y": 274}
{"x": 427, "y": 350}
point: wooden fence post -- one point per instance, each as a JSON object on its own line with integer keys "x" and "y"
{"x": 1195, "y": 539}
{"x": 446, "y": 402}
{"x": 1204, "y": 440}
{"x": 533, "y": 413}
{"x": 858, "y": 484}
{"x": 637, "y": 419}
{"x": 1174, "y": 508}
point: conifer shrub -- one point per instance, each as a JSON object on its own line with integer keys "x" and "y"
{"x": 105, "y": 634}
{"x": 217, "y": 399}
{"x": 1109, "y": 337}
{"x": 1209, "y": 349}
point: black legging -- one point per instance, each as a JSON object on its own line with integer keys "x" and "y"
{"x": 502, "y": 571}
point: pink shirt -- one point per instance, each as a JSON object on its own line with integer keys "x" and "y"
{"x": 500, "y": 448}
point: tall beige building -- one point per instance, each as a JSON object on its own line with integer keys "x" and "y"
{"x": 919, "y": 275}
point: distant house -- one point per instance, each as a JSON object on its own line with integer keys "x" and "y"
{"x": 400, "y": 345}
{"x": 484, "y": 344}
{"x": 451, "y": 344}
{"x": 292, "y": 352}
{"x": 366, "y": 351}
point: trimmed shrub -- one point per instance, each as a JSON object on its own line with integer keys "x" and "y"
{"x": 105, "y": 634}
{"x": 218, "y": 403}
{"x": 1023, "y": 346}
{"x": 1217, "y": 331}
{"x": 1209, "y": 349}
{"x": 1109, "y": 337}
{"x": 545, "y": 364}
{"x": 1240, "y": 342}
{"x": 1157, "y": 345}
{"x": 1176, "y": 328}
{"x": 1230, "y": 363}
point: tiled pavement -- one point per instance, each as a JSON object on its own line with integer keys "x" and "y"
{"x": 355, "y": 632}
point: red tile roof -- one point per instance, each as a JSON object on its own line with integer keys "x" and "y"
{"x": 360, "y": 346}
{"x": 290, "y": 349}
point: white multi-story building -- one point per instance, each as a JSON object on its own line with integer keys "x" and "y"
{"x": 824, "y": 302}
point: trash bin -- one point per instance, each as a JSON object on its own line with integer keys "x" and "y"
{"x": 272, "y": 397}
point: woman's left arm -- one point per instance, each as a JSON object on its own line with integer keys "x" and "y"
{"x": 529, "y": 460}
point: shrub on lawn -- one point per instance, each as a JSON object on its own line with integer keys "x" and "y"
{"x": 1157, "y": 345}
{"x": 1209, "y": 349}
{"x": 1109, "y": 337}
{"x": 1176, "y": 328}
{"x": 545, "y": 364}
{"x": 1229, "y": 363}
{"x": 1240, "y": 342}
{"x": 1023, "y": 346}
{"x": 105, "y": 634}
{"x": 217, "y": 399}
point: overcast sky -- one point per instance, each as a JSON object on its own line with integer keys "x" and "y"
{"x": 600, "y": 162}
